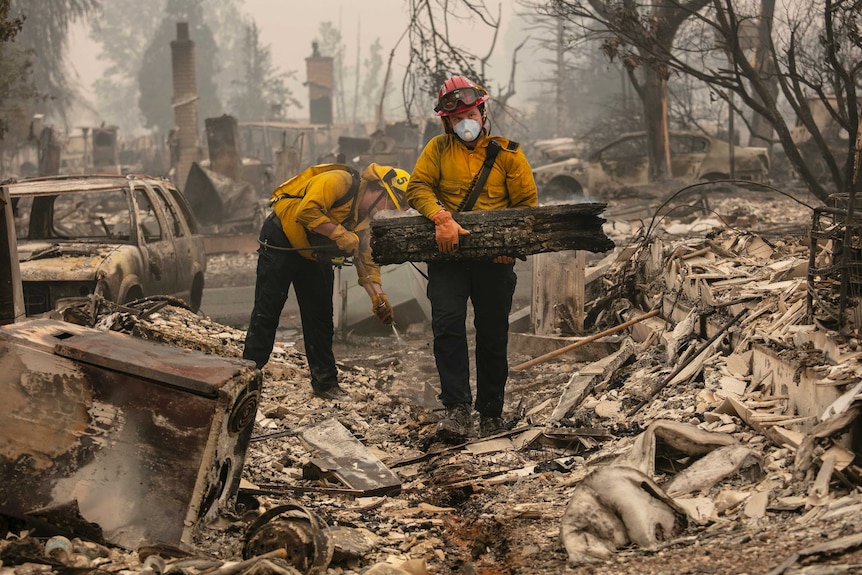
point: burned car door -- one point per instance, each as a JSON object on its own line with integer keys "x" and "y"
{"x": 188, "y": 244}
{"x": 156, "y": 243}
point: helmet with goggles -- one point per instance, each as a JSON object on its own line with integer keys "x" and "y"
{"x": 458, "y": 94}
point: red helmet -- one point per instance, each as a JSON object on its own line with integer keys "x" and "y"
{"x": 459, "y": 94}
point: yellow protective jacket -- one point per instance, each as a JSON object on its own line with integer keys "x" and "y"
{"x": 317, "y": 207}
{"x": 446, "y": 167}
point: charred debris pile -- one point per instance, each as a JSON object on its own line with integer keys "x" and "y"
{"x": 730, "y": 406}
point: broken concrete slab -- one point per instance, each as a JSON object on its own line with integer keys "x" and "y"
{"x": 793, "y": 376}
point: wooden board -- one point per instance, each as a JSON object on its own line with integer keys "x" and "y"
{"x": 582, "y": 382}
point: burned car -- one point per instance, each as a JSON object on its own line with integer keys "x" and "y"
{"x": 624, "y": 162}
{"x": 120, "y": 237}
{"x": 557, "y": 149}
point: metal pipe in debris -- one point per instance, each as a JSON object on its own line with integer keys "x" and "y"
{"x": 584, "y": 341}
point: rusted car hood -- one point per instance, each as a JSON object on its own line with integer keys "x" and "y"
{"x": 44, "y": 261}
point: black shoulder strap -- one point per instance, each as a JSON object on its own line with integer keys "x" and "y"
{"x": 350, "y": 196}
{"x": 479, "y": 181}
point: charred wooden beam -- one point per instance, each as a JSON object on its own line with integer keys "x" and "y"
{"x": 518, "y": 232}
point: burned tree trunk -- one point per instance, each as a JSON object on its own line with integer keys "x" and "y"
{"x": 518, "y": 232}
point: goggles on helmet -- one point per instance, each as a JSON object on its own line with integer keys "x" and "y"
{"x": 457, "y": 98}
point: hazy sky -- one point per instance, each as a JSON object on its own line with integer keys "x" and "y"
{"x": 290, "y": 26}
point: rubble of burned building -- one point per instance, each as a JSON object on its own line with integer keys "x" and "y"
{"x": 717, "y": 432}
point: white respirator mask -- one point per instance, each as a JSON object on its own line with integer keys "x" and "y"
{"x": 468, "y": 130}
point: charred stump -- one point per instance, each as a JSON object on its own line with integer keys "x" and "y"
{"x": 517, "y": 232}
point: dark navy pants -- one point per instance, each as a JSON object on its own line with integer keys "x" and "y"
{"x": 312, "y": 281}
{"x": 490, "y": 288}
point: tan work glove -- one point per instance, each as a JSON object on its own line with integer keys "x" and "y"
{"x": 447, "y": 232}
{"x": 347, "y": 241}
{"x": 382, "y": 308}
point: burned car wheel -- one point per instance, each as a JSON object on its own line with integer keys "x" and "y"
{"x": 134, "y": 294}
{"x": 561, "y": 189}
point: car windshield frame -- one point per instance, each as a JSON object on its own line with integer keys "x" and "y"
{"x": 623, "y": 148}
{"x": 70, "y": 216}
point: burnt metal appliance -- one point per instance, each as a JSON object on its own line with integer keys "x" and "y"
{"x": 148, "y": 440}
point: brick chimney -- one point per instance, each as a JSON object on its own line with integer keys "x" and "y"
{"x": 184, "y": 139}
{"x": 320, "y": 74}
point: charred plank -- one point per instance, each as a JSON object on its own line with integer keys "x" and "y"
{"x": 517, "y": 232}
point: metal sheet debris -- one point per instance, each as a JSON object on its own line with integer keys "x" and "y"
{"x": 347, "y": 460}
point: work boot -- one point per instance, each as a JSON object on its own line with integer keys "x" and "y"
{"x": 457, "y": 424}
{"x": 490, "y": 425}
{"x": 334, "y": 392}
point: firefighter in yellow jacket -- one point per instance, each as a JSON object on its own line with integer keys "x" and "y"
{"x": 439, "y": 185}
{"x": 319, "y": 217}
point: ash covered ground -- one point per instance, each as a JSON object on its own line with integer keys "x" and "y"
{"x": 498, "y": 509}
{"x": 500, "y": 512}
